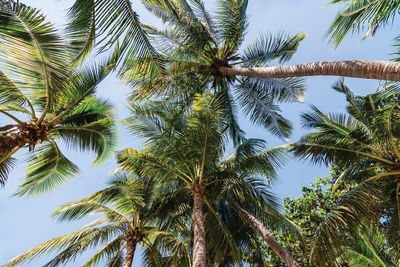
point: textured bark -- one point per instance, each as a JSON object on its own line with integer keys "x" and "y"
{"x": 199, "y": 246}
{"x": 9, "y": 143}
{"x": 266, "y": 235}
{"x": 380, "y": 70}
{"x": 130, "y": 253}
{"x": 13, "y": 136}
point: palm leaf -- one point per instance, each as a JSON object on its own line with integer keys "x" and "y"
{"x": 262, "y": 110}
{"x": 268, "y": 48}
{"x": 356, "y": 16}
{"x": 48, "y": 169}
{"x": 232, "y": 22}
{"x": 5, "y": 167}
{"x": 32, "y": 51}
{"x": 89, "y": 128}
{"x": 109, "y": 21}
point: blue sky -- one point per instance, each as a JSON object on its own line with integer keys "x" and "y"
{"x": 25, "y": 222}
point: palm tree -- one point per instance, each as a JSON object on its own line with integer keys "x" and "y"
{"x": 368, "y": 248}
{"x": 361, "y": 16}
{"x": 194, "y": 48}
{"x": 46, "y": 100}
{"x": 366, "y": 143}
{"x": 192, "y": 28}
{"x": 230, "y": 240}
{"x": 126, "y": 221}
{"x": 186, "y": 148}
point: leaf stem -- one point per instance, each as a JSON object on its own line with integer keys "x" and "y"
{"x": 11, "y": 116}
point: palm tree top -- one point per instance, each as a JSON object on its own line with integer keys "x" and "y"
{"x": 365, "y": 143}
{"x": 196, "y": 44}
{"x": 47, "y": 97}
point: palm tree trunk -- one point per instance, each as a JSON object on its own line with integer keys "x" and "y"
{"x": 380, "y": 70}
{"x": 266, "y": 235}
{"x": 199, "y": 246}
{"x": 130, "y": 253}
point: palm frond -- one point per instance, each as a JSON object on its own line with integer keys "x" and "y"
{"x": 262, "y": 110}
{"x": 361, "y": 16}
{"x": 281, "y": 90}
{"x": 106, "y": 251}
{"x": 84, "y": 236}
{"x": 268, "y": 48}
{"x": 193, "y": 32}
{"x": 9, "y": 93}
{"x": 232, "y": 22}
{"x": 230, "y": 114}
{"x": 357, "y": 206}
{"x": 81, "y": 29}
{"x": 107, "y": 21}
{"x": 48, "y": 169}
{"x": 33, "y": 53}
{"x": 89, "y": 128}
{"x": 6, "y": 165}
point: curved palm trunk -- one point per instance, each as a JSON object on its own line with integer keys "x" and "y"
{"x": 380, "y": 70}
{"x": 199, "y": 246}
{"x": 9, "y": 143}
{"x": 266, "y": 235}
{"x": 130, "y": 252}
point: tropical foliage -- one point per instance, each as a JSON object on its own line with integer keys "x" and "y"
{"x": 185, "y": 150}
{"x": 363, "y": 247}
{"x": 195, "y": 44}
{"x": 47, "y": 101}
{"x": 358, "y": 16}
{"x": 126, "y": 220}
{"x": 180, "y": 196}
{"x": 365, "y": 143}
{"x": 307, "y": 211}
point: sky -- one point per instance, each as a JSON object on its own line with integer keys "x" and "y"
{"x": 25, "y": 222}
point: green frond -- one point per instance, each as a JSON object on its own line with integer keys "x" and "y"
{"x": 5, "y": 167}
{"x": 84, "y": 237}
{"x": 81, "y": 85}
{"x": 48, "y": 170}
{"x": 81, "y": 29}
{"x": 203, "y": 15}
{"x": 106, "y": 22}
{"x": 82, "y": 244}
{"x": 106, "y": 251}
{"x": 281, "y": 90}
{"x": 9, "y": 93}
{"x": 355, "y": 208}
{"x": 230, "y": 115}
{"x": 33, "y": 54}
{"x": 116, "y": 261}
{"x": 91, "y": 110}
{"x": 78, "y": 210}
{"x": 268, "y": 48}
{"x": 262, "y": 110}
{"x": 359, "y": 16}
{"x": 89, "y": 128}
{"x": 194, "y": 33}
{"x": 218, "y": 233}
{"x": 232, "y": 22}
{"x": 146, "y": 163}
{"x": 250, "y": 158}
